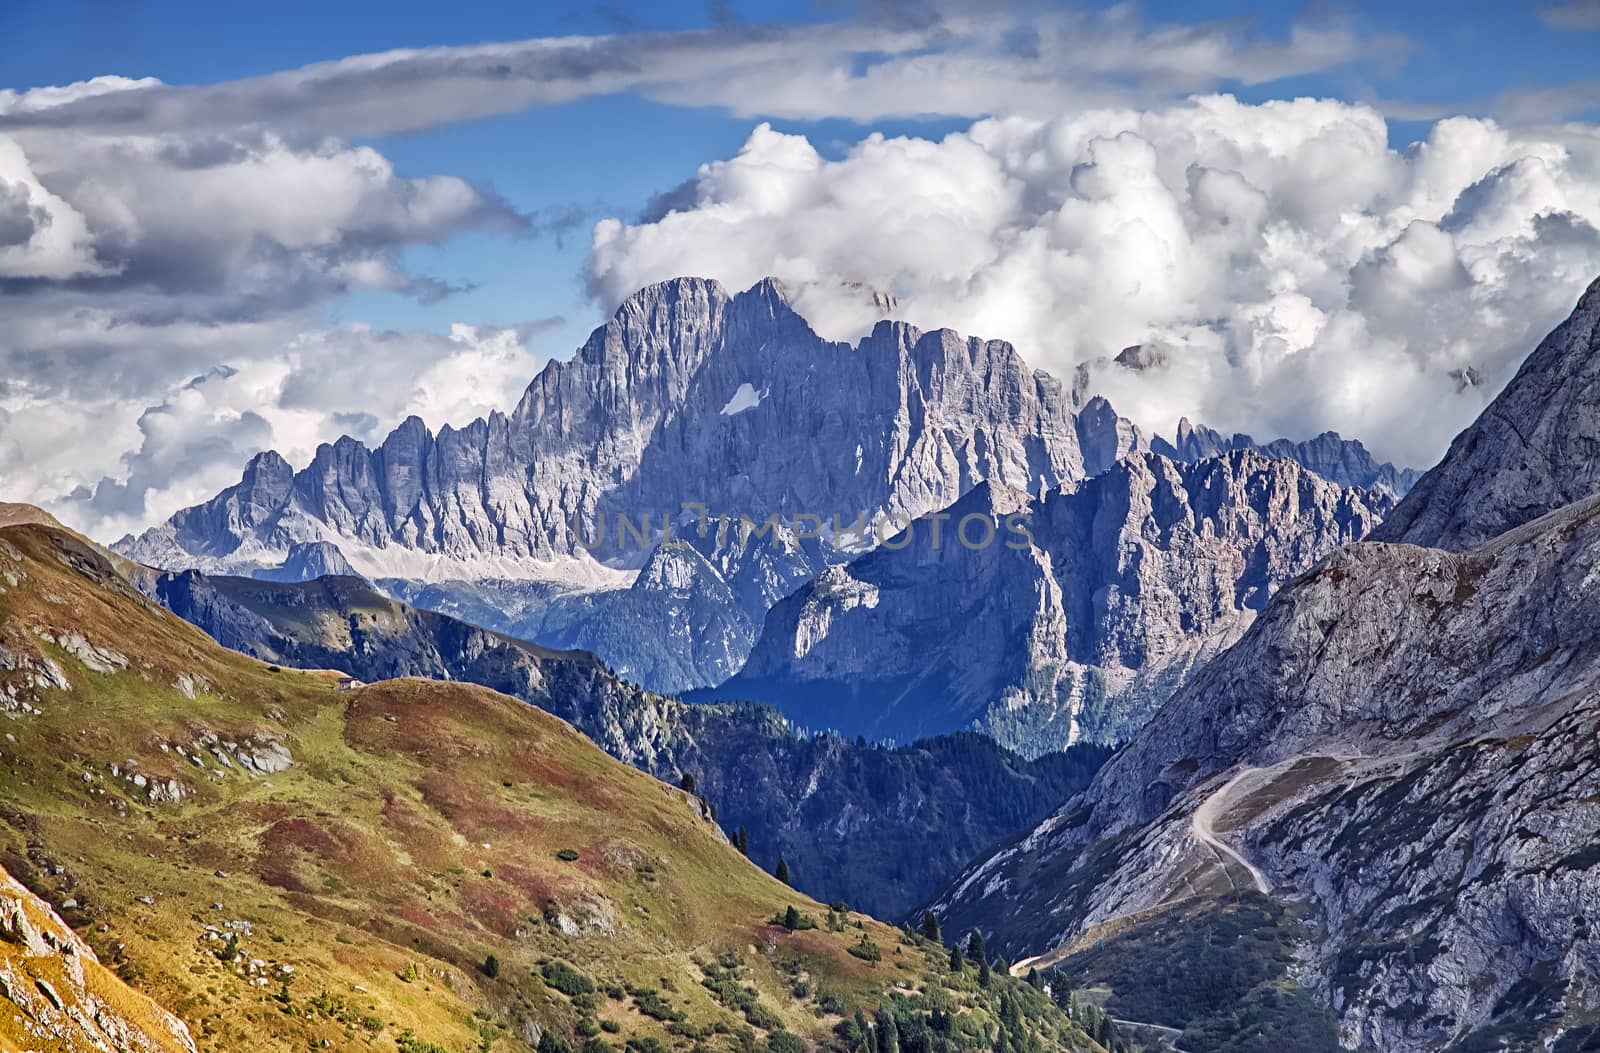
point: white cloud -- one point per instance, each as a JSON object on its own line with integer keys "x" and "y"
{"x": 1303, "y": 274}
{"x": 109, "y": 465}
{"x": 946, "y": 59}
{"x": 132, "y": 264}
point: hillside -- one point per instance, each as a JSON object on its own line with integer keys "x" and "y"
{"x": 412, "y": 865}
{"x": 882, "y": 829}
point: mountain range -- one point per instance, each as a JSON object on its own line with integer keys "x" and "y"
{"x": 612, "y": 511}
{"x": 1401, "y": 749}
{"x": 1123, "y": 584}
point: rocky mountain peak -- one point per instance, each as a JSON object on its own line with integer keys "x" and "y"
{"x": 1536, "y": 447}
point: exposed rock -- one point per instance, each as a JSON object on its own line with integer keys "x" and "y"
{"x": 1340, "y": 460}
{"x": 632, "y": 426}
{"x": 1080, "y": 615}
{"x": 64, "y": 1000}
{"x": 1404, "y": 742}
{"x": 1535, "y": 448}
{"x": 307, "y": 560}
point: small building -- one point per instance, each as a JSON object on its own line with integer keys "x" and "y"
{"x": 349, "y": 683}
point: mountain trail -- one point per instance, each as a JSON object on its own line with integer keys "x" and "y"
{"x": 1202, "y": 828}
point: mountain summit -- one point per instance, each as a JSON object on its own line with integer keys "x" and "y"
{"x": 689, "y": 394}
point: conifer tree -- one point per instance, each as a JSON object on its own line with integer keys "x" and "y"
{"x": 956, "y": 961}
{"x": 888, "y": 1033}
{"x": 781, "y": 871}
{"x": 930, "y": 926}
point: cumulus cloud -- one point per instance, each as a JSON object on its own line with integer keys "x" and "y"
{"x": 164, "y": 295}
{"x": 116, "y": 462}
{"x": 906, "y": 60}
{"x": 1300, "y": 273}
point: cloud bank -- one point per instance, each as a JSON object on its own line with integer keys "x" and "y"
{"x": 1299, "y": 273}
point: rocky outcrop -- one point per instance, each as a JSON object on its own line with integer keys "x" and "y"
{"x": 1403, "y": 743}
{"x": 308, "y": 560}
{"x": 832, "y": 807}
{"x": 1535, "y": 448}
{"x": 54, "y": 994}
{"x": 1337, "y": 459}
{"x": 1046, "y": 621}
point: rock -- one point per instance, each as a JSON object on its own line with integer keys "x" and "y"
{"x": 49, "y": 980}
{"x": 1337, "y": 459}
{"x": 1403, "y": 743}
{"x": 1531, "y": 451}
{"x": 1084, "y": 611}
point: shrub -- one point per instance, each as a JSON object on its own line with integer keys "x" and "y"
{"x": 410, "y": 1043}
{"x": 645, "y": 1044}
{"x": 567, "y": 855}
{"x": 566, "y": 979}
{"x": 793, "y": 920}
{"x": 758, "y": 1015}
{"x": 866, "y": 950}
{"x": 785, "y": 1042}
{"x": 491, "y": 967}
{"x": 651, "y": 1004}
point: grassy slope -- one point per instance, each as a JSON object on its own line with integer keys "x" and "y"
{"x": 416, "y": 832}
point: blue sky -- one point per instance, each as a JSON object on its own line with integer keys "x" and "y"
{"x": 291, "y": 232}
{"x": 608, "y": 155}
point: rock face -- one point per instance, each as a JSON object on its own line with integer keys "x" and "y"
{"x": 688, "y": 394}
{"x": 1043, "y": 622}
{"x": 879, "y": 828}
{"x": 688, "y": 618}
{"x": 54, "y": 993}
{"x": 1535, "y": 448}
{"x": 1337, "y": 459}
{"x": 1404, "y": 742}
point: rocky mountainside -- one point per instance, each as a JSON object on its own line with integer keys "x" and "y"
{"x": 1535, "y": 448}
{"x": 687, "y": 619}
{"x": 411, "y": 865}
{"x": 1048, "y": 621}
{"x": 688, "y": 394}
{"x": 1401, "y": 746}
{"x": 881, "y": 829}
{"x": 689, "y": 398}
{"x": 55, "y": 994}
{"x": 1337, "y": 459}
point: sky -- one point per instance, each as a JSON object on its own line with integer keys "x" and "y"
{"x": 220, "y": 234}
